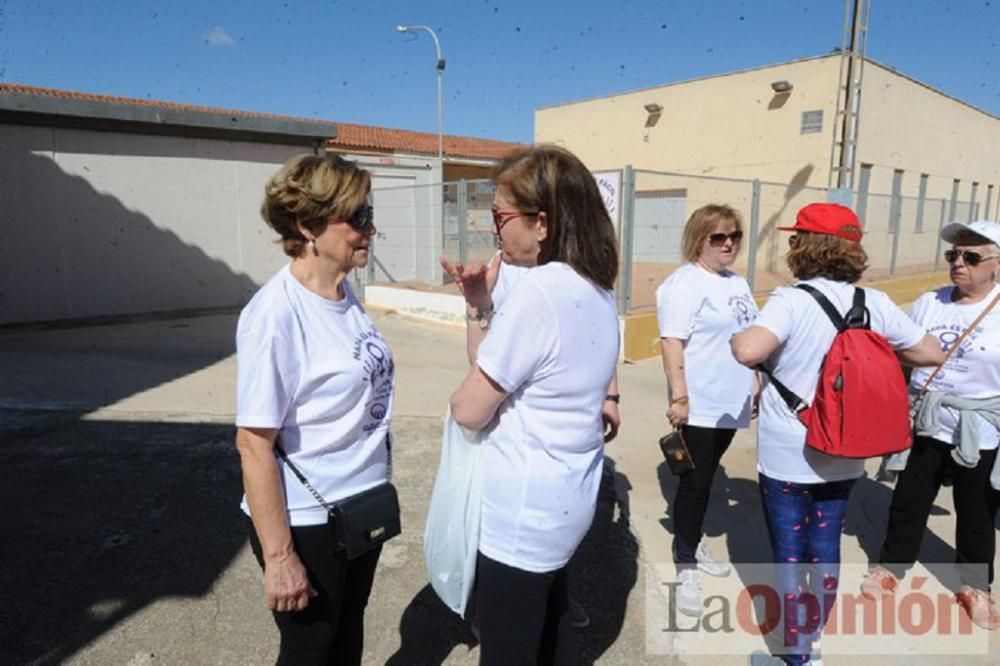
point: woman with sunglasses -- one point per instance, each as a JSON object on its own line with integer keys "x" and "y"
{"x": 804, "y": 492}
{"x": 699, "y": 307}
{"x": 537, "y": 386}
{"x": 957, "y": 426}
{"x": 314, "y": 377}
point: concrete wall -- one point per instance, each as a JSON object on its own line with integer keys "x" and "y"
{"x": 732, "y": 125}
{"x": 909, "y": 126}
{"x": 104, "y": 223}
{"x": 101, "y": 223}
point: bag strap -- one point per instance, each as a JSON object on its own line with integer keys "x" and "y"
{"x": 958, "y": 343}
{"x": 302, "y": 479}
{"x": 794, "y": 402}
{"x": 857, "y": 317}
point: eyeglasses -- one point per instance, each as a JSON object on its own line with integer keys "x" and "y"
{"x": 968, "y": 256}
{"x": 363, "y": 218}
{"x": 719, "y": 239}
{"x": 502, "y": 217}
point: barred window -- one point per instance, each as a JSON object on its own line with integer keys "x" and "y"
{"x": 812, "y": 122}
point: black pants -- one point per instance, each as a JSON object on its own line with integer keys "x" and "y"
{"x": 691, "y": 501}
{"x": 522, "y": 616}
{"x": 331, "y": 629}
{"x": 975, "y": 504}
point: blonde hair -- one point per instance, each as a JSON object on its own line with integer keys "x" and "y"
{"x": 701, "y": 224}
{"x": 309, "y": 190}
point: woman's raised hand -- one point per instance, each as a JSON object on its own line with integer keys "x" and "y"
{"x": 475, "y": 281}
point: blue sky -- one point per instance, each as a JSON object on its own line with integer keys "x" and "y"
{"x": 343, "y": 61}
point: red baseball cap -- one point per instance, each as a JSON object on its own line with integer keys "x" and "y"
{"x": 828, "y": 218}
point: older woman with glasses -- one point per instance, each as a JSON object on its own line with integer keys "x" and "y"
{"x": 541, "y": 366}
{"x": 957, "y": 426}
{"x": 315, "y": 385}
{"x": 699, "y": 307}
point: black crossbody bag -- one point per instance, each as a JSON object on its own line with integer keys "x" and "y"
{"x": 360, "y": 522}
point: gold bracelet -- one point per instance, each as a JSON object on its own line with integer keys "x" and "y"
{"x": 683, "y": 400}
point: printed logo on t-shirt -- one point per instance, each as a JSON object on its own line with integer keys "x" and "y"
{"x": 744, "y": 309}
{"x": 379, "y": 369}
{"x": 948, "y": 335}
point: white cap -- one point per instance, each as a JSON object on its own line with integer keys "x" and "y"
{"x": 990, "y": 231}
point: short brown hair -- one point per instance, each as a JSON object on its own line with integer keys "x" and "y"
{"x": 550, "y": 179}
{"x": 308, "y": 190}
{"x": 701, "y": 223}
{"x": 831, "y": 257}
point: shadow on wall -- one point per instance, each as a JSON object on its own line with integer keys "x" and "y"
{"x": 105, "y": 518}
{"x": 72, "y": 251}
{"x": 769, "y": 236}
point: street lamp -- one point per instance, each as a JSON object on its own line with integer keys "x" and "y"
{"x": 440, "y": 73}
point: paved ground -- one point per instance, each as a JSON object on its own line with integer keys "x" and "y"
{"x": 123, "y": 543}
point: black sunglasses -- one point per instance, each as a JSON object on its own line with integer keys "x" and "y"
{"x": 719, "y": 239}
{"x": 363, "y": 218}
{"x": 968, "y": 256}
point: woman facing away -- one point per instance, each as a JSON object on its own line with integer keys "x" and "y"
{"x": 542, "y": 366}
{"x": 804, "y": 492}
{"x": 957, "y": 426}
{"x": 315, "y": 377}
{"x": 699, "y": 307}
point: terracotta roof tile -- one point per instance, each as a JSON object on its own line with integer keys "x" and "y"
{"x": 424, "y": 143}
{"x": 367, "y": 137}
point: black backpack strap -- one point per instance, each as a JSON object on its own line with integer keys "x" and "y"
{"x": 794, "y": 402}
{"x": 858, "y": 316}
{"x": 838, "y": 321}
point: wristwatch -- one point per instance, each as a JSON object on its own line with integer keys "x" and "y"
{"x": 482, "y": 317}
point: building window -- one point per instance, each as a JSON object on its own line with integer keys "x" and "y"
{"x": 812, "y": 122}
{"x": 896, "y": 203}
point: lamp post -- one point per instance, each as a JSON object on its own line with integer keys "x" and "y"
{"x": 440, "y": 74}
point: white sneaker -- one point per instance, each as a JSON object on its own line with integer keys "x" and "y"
{"x": 688, "y": 599}
{"x": 708, "y": 563}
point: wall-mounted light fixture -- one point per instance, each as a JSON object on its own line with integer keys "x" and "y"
{"x": 781, "y": 87}
{"x": 654, "y": 112}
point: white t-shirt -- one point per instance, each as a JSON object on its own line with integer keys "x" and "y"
{"x": 506, "y": 279}
{"x": 553, "y": 347}
{"x": 705, "y": 309}
{"x": 806, "y": 333}
{"x": 320, "y": 372}
{"x": 973, "y": 371}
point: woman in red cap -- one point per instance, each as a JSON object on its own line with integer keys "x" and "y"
{"x": 804, "y": 491}
{"x": 957, "y": 426}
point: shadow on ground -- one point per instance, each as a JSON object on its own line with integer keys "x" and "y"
{"x": 102, "y": 519}
{"x": 602, "y": 574}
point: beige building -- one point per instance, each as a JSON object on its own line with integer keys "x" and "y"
{"x": 735, "y": 125}
{"x": 764, "y": 140}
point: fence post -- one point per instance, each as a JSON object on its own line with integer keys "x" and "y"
{"x": 937, "y": 251}
{"x": 628, "y": 239}
{"x": 754, "y": 234}
{"x": 462, "y": 218}
{"x": 895, "y": 225}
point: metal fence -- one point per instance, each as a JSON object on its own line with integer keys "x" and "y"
{"x": 650, "y": 208}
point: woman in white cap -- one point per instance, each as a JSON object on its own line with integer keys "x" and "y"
{"x": 957, "y": 425}
{"x": 804, "y": 491}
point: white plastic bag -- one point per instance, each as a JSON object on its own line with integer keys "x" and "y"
{"x": 451, "y": 537}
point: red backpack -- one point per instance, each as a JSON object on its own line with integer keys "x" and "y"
{"x": 861, "y": 408}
